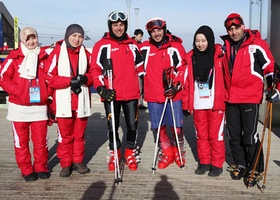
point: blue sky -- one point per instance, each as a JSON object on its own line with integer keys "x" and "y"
{"x": 183, "y": 17}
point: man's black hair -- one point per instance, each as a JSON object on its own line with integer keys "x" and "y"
{"x": 138, "y": 31}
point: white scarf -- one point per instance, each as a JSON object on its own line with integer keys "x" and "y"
{"x": 63, "y": 96}
{"x": 28, "y": 67}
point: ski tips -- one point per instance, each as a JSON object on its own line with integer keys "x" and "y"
{"x": 154, "y": 169}
{"x": 263, "y": 188}
{"x": 118, "y": 181}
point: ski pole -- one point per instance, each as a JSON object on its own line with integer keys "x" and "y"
{"x": 268, "y": 147}
{"x": 158, "y": 131}
{"x": 261, "y": 143}
{"x": 116, "y": 158}
{"x": 176, "y": 135}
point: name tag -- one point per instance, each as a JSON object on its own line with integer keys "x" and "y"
{"x": 34, "y": 93}
{"x": 203, "y": 90}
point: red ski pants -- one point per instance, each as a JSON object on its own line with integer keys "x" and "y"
{"x": 71, "y": 142}
{"x": 22, "y": 131}
{"x": 209, "y": 126}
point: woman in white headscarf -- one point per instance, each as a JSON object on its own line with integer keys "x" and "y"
{"x": 22, "y": 77}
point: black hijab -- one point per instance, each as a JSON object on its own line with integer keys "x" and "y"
{"x": 203, "y": 61}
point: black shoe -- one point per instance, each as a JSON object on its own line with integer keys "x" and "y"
{"x": 250, "y": 180}
{"x": 81, "y": 168}
{"x": 44, "y": 175}
{"x": 142, "y": 107}
{"x": 236, "y": 171}
{"x": 31, "y": 177}
{"x": 215, "y": 171}
{"x": 66, "y": 171}
{"x": 202, "y": 168}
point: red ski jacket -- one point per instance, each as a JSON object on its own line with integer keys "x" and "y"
{"x": 17, "y": 87}
{"x": 253, "y": 61}
{"x": 60, "y": 82}
{"x": 156, "y": 60}
{"x": 127, "y": 64}
{"x": 219, "y": 90}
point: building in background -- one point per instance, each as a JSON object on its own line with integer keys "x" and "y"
{"x": 6, "y": 27}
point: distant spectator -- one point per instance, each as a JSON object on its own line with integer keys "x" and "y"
{"x": 5, "y": 47}
{"x": 138, "y": 35}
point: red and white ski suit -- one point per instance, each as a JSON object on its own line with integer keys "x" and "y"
{"x": 28, "y": 119}
{"x": 71, "y": 143}
{"x": 209, "y": 123}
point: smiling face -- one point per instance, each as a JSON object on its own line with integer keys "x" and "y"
{"x": 236, "y": 33}
{"x": 201, "y": 42}
{"x": 157, "y": 34}
{"x": 31, "y": 42}
{"x": 76, "y": 40}
{"x": 118, "y": 28}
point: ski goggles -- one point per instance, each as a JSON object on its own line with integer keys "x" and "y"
{"x": 117, "y": 15}
{"x": 155, "y": 24}
{"x": 233, "y": 21}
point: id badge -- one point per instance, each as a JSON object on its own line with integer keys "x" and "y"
{"x": 34, "y": 93}
{"x": 204, "y": 91}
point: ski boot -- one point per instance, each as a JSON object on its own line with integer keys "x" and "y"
{"x": 177, "y": 157}
{"x": 236, "y": 171}
{"x": 111, "y": 159}
{"x": 252, "y": 179}
{"x": 132, "y": 158}
{"x": 165, "y": 158}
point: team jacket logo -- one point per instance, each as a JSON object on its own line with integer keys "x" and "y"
{"x": 152, "y": 54}
{"x": 115, "y": 49}
{"x": 252, "y": 49}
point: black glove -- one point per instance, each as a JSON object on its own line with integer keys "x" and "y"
{"x": 82, "y": 79}
{"x": 108, "y": 95}
{"x": 186, "y": 113}
{"x": 75, "y": 85}
{"x": 171, "y": 91}
{"x": 272, "y": 95}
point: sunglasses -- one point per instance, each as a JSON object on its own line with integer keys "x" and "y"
{"x": 233, "y": 21}
{"x": 155, "y": 24}
{"x": 116, "y": 16}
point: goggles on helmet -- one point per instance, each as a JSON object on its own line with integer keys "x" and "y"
{"x": 233, "y": 21}
{"x": 155, "y": 24}
{"x": 116, "y": 16}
